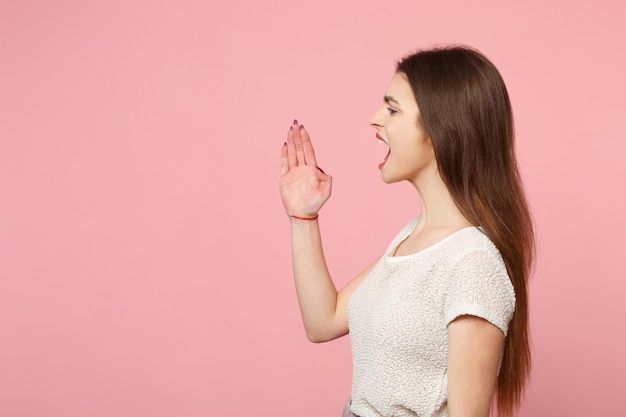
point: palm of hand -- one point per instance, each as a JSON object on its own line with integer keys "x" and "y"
{"x": 304, "y": 188}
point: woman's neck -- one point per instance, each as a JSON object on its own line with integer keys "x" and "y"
{"x": 439, "y": 211}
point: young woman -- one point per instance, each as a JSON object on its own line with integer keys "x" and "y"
{"x": 438, "y": 323}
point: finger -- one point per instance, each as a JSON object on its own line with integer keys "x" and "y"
{"x": 284, "y": 160}
{"x": 298, "y": 143}
{"x": 324, "y": 177}
{"x": 291, "y": 150}
{"x": 326, "y": 184}
{"x": 307, "y": 147}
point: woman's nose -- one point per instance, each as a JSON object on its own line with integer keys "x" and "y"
{"x": 377, "y": 120}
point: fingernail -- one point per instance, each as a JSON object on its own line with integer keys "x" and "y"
{"x": 295, "y": 122}
{"x": 321, "y": 170}
{"x": 301, "y": 127}
{"x": 285, "y": 144}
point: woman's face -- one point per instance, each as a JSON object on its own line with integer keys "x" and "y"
{"x": 411, "y": 154}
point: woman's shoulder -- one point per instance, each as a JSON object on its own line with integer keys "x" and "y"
{"x": 471, "y": 248}
{"x": 471, "y": 238}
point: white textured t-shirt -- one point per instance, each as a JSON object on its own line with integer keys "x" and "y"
{"x": 398, "y": 318}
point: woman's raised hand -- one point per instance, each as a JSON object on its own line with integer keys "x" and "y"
{"x": 304, "y": 187}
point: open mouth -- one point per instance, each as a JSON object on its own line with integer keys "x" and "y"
{"x": 382, "y": 141}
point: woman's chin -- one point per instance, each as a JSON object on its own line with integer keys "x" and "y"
{"x": 386, "y": 177}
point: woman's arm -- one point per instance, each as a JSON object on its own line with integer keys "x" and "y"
{"x": 323, "y": 309}
{"x": 304, "y": 190}
{"x": 474, "y": 350}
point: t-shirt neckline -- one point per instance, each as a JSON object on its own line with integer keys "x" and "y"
{"x": 392, "y": 248}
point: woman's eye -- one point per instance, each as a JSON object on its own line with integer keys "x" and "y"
{"x": 391, "y": 110}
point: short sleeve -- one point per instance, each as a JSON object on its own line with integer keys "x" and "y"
{"x": 479, "y": 285}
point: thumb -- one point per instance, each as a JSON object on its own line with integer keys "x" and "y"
{"x": 324, "y": 177}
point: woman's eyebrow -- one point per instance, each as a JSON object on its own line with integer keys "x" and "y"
{"x": 389, "y": 100}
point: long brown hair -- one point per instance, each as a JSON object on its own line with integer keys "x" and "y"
{"x": 465, "y": 109}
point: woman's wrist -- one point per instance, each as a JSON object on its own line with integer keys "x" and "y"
{"x": 305, "y": 218}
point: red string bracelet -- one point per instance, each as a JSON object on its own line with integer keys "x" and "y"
{"x": 302, "y": 218}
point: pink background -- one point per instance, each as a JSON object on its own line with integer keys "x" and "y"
{"x": 144, "y": 253}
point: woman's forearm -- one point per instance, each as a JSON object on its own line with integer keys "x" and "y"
{"x": 317, "y": 295}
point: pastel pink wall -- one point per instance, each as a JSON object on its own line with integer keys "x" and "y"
{"x": 144, "y": 253}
